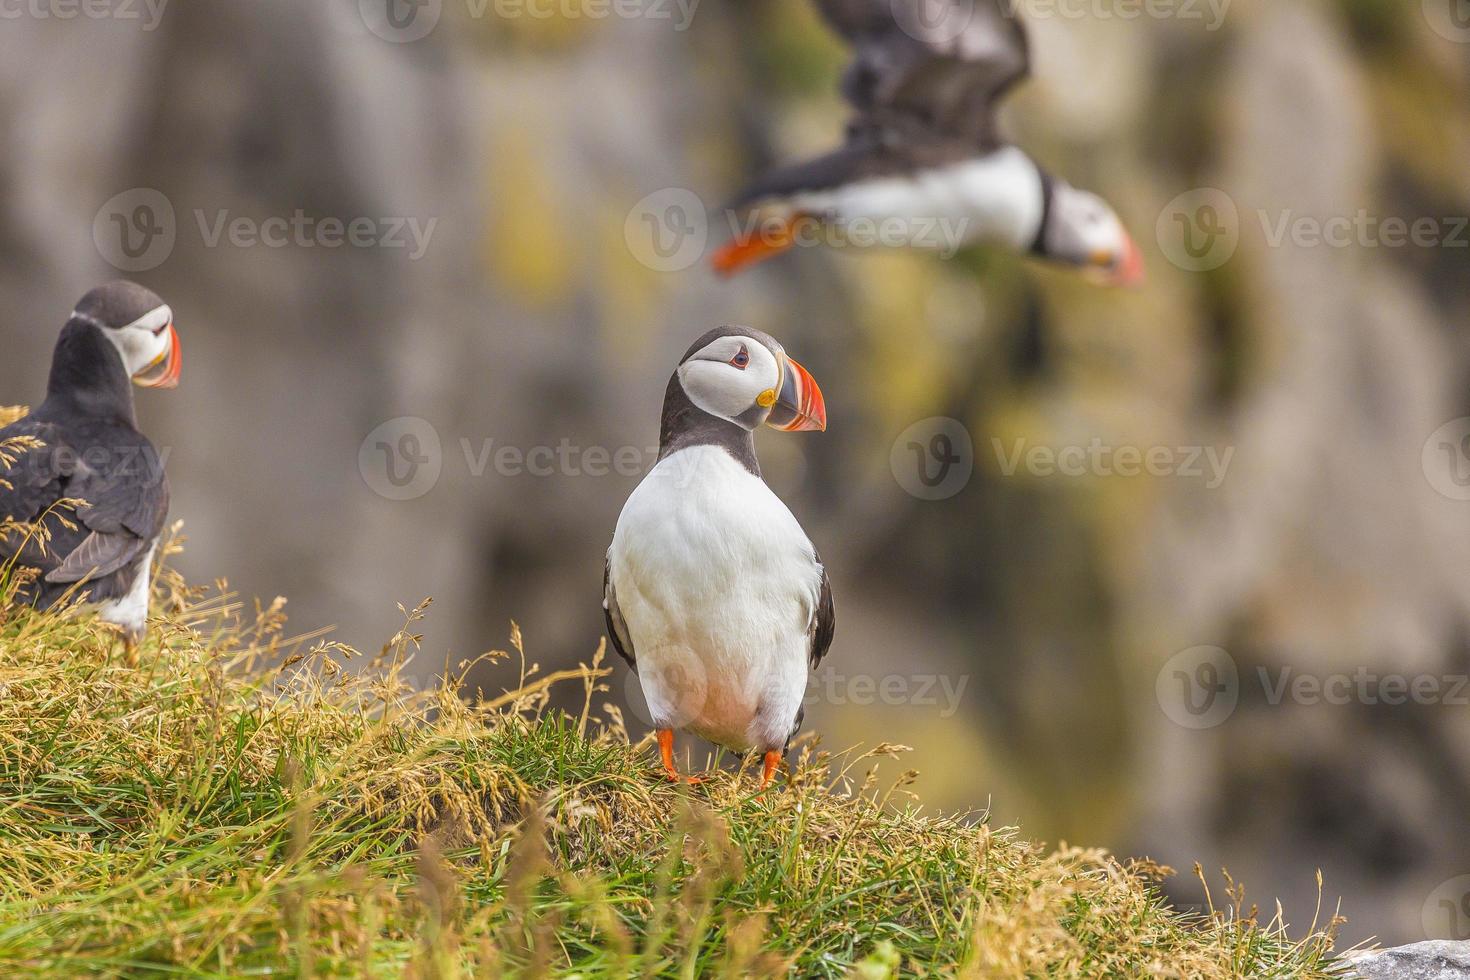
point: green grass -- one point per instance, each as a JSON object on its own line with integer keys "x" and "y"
{"x": 204, "y": 813}
{"x": 239, "y": 803}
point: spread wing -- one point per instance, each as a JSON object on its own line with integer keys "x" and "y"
{"x": 617, "y": 630}
{"x": 934, "y": 68}
{"x": 119, "y": 477}
{"x": 926, "y": 78}
{"x": 861, "y": 157}
{"x": 824, "y": 624}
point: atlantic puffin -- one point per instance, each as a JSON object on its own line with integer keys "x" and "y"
{"x": 923, "y": 164}
{"x": 712, "y": 591}
{"x": 90, "y": 450}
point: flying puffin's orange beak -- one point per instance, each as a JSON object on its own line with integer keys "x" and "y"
{"x": 765, "y": 242}
{"x": 799, "y": 407}
{"x": 1129, "y": 270}
{"x": 170, "y": 365}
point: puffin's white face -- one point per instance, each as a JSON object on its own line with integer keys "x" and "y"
{"x": 1084, "y": 230}
{"x": 731, "y": 377}
{"x": 149, "y": 342}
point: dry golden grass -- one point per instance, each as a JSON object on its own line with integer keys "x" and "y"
{"x": 245, "y": 802}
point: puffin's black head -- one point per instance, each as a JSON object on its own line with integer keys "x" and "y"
{"x": 745, "y": 377}
{"x": 139, "y": 324}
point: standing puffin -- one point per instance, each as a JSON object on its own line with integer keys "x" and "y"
{"x": 90, "y": 450}
{"x": 712, "y": 591}
{"x": 924, "y": 165}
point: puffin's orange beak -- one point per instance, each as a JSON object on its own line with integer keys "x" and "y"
{"x": 800, "y": 406}
{"x": 169, "y": 366}
{"x": 1129, "y": 271}
{"x": 764, "y": 243}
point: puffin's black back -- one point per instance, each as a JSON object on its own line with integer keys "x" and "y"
{"x": 87, "y": 377}
{"x": 91, "y": 450}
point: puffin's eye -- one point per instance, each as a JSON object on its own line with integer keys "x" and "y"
{"x": 742, "y": 359}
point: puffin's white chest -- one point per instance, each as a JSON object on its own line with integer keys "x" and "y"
{"x": 997, "y": 198}
{"x": 718, "y": 585}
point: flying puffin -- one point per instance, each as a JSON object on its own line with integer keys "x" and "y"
{"x": 91, "y": 450}
{"x": 924, "y": 165}
{"x": 713, "y": 593}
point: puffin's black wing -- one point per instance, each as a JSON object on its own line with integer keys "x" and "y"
{"x": 935, "y": 67}
{"x": 118, "y": 475}
{"x": 824, "y": 624}
{"x": 32, "y": 486}
{"x": 617, "y": 630}
{"x": 860, "y": 158}
{"x": 855, "y": 19}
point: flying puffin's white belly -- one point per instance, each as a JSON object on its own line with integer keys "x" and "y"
{"x": 718, "y": 586}
{"x": 997, "y": 198}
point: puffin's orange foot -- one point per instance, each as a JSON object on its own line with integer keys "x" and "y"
{"x": 666, "y": 753}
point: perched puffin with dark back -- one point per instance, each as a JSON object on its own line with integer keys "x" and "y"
{"x": 712, "y": 591}
{"x": 924, "y": 158}
{"x": 90, "y": 450}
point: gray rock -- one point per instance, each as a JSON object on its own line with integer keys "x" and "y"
{"x": 1421, "y": 961}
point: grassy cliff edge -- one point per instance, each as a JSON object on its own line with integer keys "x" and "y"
{"x": 241, "y": 802}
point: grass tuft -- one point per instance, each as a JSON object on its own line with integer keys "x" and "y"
{"x": 247, "y": 803}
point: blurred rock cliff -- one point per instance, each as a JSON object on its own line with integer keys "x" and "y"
{"x": 1034, "y": 619}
